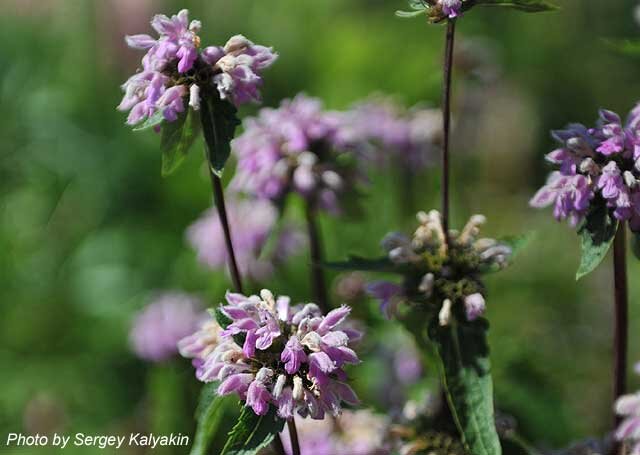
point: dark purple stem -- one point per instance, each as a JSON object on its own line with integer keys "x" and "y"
{"x": 446, "y": 120}
{"x": 317, "y": 257}
{"x": 621, "y": 314}
{"x": 293, "y": 434}
{"x": 218, "y": 196}
{"x": 277, "y": 446}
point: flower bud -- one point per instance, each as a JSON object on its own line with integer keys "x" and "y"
{"x": 444, "y": 317}
{"x": 277, "y": 389}
{"x": 298, "y": 390}
{"x": 630, "y": 179}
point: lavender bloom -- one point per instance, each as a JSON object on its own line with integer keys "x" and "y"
{"x": 157, "y": 329}
{"x": 596, "y": 165}
{"x": 408, "y": 137}
{"x": 354, "y": 433}
{"x": 174, "y": 68}
{"x": 628, "y": 406}
{"x": 451, "y": 8}
{"x": 252, "y": 222}
{"x": 296, "y": 148}
{"x": 441, "y": 274}
{"x": 291, "y": 357}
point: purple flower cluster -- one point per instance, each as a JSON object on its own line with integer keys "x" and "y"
{"x": 598, "y": 165}
{"x": 354, "y": 432}
{"x": 451, "y": 8}
{"x": 441, "y": 273}
{"x": 407, "y": 137}
{"x": 252, "y": 223}
{"x": 288, "y": 357}
{"x": 174, "y": 69}
{"x": 298, "y": 148}
{"x": 165, "y": 321}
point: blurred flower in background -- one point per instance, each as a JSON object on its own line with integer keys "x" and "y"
{"x": 354, "y": 432}
{"x": 298, "y": 148}
{"x": 157, "y": 329}
{"x": 410, "y": 138}
{"x": 253, "y": 223}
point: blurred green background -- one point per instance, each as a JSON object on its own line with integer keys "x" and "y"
{"x": 88, "y": 228}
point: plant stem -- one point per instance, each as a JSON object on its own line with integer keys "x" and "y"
{"x": 277, "y": 445}
{"x": 317, "y": 257}
{"x": 446, "y": 120}
{"x": 293, "y": 434}
{"x": 621, "y": 317}
{"x": 218, "y": 195}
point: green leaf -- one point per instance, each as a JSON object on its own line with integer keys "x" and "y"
{"x": 382, "y": 264}
{"x": 596, "y": 233}
{"x": 252, "y": 432}
{"x": 219, "y": 122}
{"x": 464, "y": 353}
{"x": 177, "y": 138}
{"x": 629, "y": 47}
{"x": 156, "y": 119}
{"x": 635, "y": 244}
{"x": 528, "y": 6}
{"x": 410, "y": 14}
{"x": 208, "y": 415}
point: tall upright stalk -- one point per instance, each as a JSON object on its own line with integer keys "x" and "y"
{"x": 318, "y": 281}
{"x": 621, "y": 314}
{"x": 218, "y": 195}
{"x": 446, "y": 121}
{"x": 293, "y": 434}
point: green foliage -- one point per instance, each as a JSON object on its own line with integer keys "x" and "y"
{"x": 156, "y": 119}
{"x": 628, "y": 47}
{"x": 252, "y": 432}
{"x": 528, "y": 6}
{"x": 219, "y": 122}
{"x": 177, "y": 138}
{"x": 596, "y": 233}
{"x": 209, "y": 415}
{"x": 464, "y": 352}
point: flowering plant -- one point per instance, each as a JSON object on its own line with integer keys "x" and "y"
{"x": 596, "y": 184}
{"x": 181, "y": 85}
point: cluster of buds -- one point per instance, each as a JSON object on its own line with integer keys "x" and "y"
{"x": 270, "y": 353}
{"x": 175, "y": 70}
{"x": 440, "y": 10}
{"x": 596, "y": 166}
{"x": 441, "y": 270}
{"x": 297, "y": 148}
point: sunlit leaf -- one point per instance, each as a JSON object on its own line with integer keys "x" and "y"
{"x": 252, "y": 432}
{"x": 466, "y": 373}
{"x": 177, "y": 138}
{"x": 596, "y": 233}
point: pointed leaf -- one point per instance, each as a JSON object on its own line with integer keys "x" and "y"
{"x": 464, "y": 352}
{"x": 208, "y": 415}
{"x": 410, "y": 14}
{"x": 156, "y": 119}
{"x": 596, "y": 233}
{"x": 252, "y": 432}
{"x": 529, "y": 6}
{"x": 219, "y": 122}
{"x": 635, "y": 244}
{"x": 177, "y": 138}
